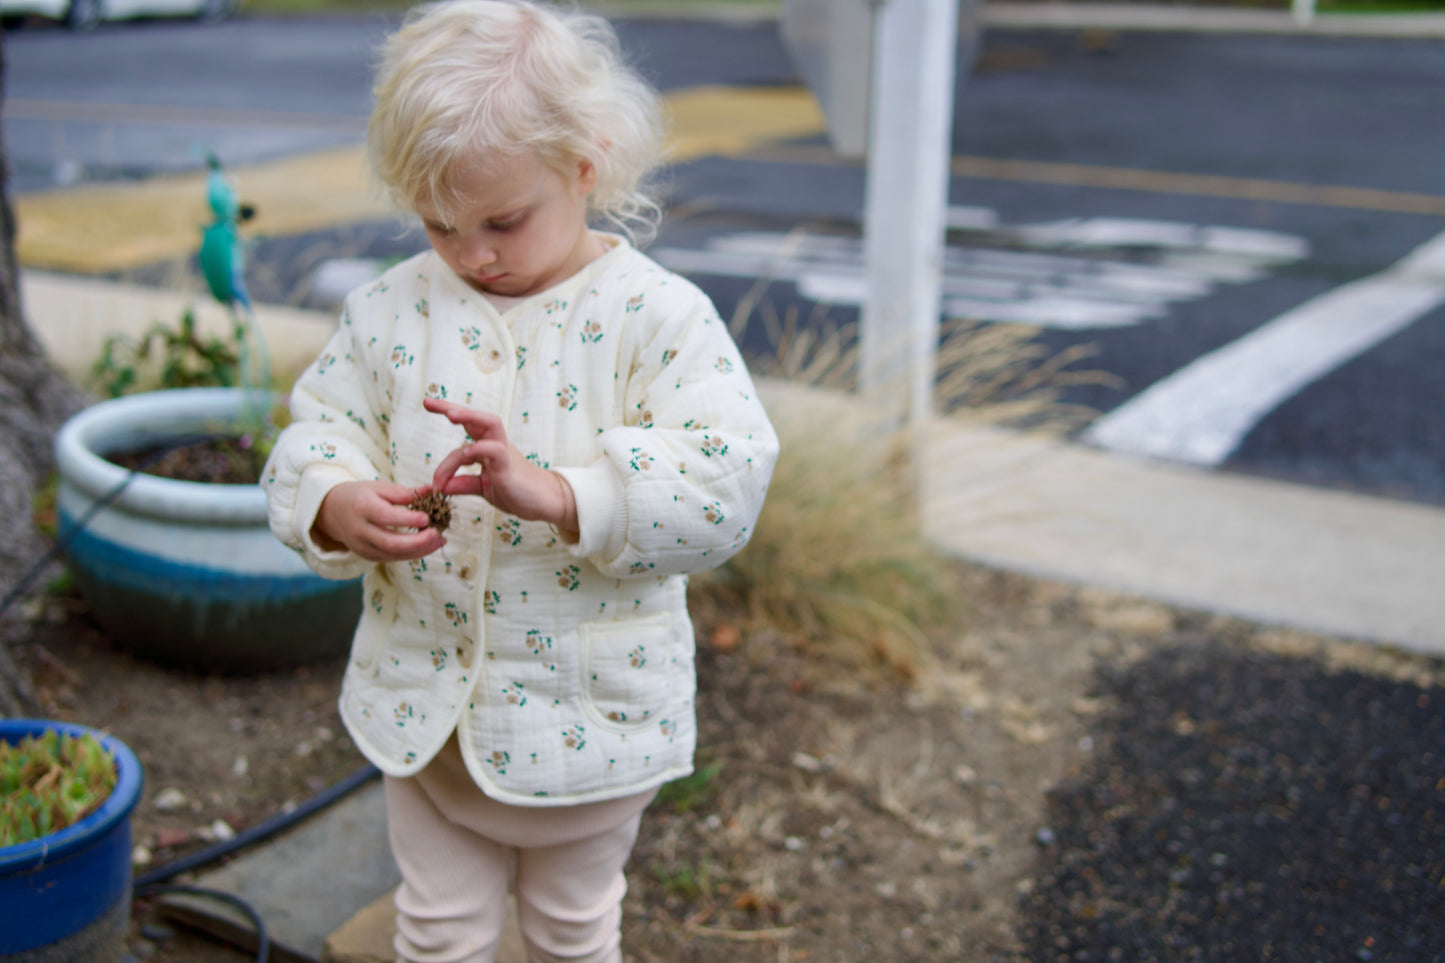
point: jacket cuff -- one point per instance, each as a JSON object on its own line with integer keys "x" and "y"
{"x": 315, "y": 484}
{"x": 601, "y": 510}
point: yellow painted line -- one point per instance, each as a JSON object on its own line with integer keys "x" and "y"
{"x": 116, "y": 227}
{"x": 1202, "y": 185}
{"x": 728, "y": 121}
{"x": 1163, "y": 182}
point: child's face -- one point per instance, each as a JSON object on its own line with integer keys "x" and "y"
{"x": 521, "y": 229}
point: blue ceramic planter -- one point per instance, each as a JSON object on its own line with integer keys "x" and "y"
{"x": 66, "y": 897}
{"x": 187, "y": 573}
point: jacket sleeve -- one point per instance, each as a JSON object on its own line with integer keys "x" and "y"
{"x": 337, "y": 434}
{"x": 679, "y": 487}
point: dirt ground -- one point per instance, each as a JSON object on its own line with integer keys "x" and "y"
{"x": 835, "y": 816}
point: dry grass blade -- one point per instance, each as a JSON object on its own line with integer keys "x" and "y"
{"x": 1001, "y": 374}
{"x": 740, "y": 936}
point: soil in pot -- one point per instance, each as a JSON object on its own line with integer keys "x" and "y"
{"x": 216, "y": 461}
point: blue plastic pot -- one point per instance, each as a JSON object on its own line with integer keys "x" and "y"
{"x": 187, "y": 573}
{"x": 66, "y": 897}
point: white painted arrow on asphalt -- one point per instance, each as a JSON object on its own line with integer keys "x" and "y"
{"x": 1201, "y": 413}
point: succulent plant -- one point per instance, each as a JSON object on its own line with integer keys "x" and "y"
{"x": 49, "y": 782}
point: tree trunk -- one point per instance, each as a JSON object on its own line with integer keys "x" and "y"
{"x": 34, "y": 400}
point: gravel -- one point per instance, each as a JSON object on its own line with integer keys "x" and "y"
{"x": 1249, "y": 806}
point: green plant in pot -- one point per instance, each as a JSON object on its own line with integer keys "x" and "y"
{"x": 66, "y": 797}
{"x": 182, "y": 567}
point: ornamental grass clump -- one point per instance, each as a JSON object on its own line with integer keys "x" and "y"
{"x": 841, "y": 563}
{"x": 50, "y": 782}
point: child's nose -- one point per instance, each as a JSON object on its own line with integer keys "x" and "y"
{"x": 477, "y": 252}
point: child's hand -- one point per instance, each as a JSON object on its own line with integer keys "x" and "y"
{"x": 508, "y": 480}
{"x": 364, "y": 517}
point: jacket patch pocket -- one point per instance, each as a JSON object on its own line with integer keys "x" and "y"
{"x": 627, "y": 669}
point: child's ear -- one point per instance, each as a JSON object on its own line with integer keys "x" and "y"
{"x": 586, "y": 176}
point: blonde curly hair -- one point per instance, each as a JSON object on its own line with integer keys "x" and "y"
{"x": 465, "y": 83}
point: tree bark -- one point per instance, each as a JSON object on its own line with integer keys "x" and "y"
{"x": 34, "y": 400}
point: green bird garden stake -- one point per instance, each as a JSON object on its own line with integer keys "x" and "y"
{"x": 223, "y": 264}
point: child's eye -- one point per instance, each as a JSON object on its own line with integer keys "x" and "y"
{"x": 508, "y": 222}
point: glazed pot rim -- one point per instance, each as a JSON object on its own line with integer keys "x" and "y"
{"x": 152, "y": 418}
{"x": 25, "y": 857}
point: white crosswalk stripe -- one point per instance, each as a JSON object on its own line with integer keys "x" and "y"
{"x": 1079, "y": 273}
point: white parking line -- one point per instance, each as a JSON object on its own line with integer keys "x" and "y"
{"x": 1201, "y": 413}
{"x": 1079, "y": 273}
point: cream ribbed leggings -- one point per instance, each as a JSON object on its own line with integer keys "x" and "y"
{"x": 455, "y": 848}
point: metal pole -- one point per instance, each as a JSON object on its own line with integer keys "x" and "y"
{"x": 909, "y": 139}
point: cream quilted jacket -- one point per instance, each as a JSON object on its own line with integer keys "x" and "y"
{"x": 566, "y": 670}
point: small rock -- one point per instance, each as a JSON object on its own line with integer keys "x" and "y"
{"x": 157, "y": 932}
{"x": 170, "y": 799}
{"x": 140, "y": 856}
{"x": 1045, "y": 837}
{"x": 240, "y": 767}
{"x": 807, "y": 763}
{"x": 726, "y": 637}
{"x": 219, "y": 831}
{"x": 965, "y": 775}
{"x": 794, "y": 845}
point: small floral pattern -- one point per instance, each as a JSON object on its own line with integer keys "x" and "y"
{"x": 509, "y": 531}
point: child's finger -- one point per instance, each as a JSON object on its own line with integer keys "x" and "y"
{"x": 442, "y": 477}
{"x": 402, "y": 546}
{"x": 493, "y": 456}
{"x": 395, "y": 493}
{"x": 479, "y": 424}
{"x": 392, "y": 516}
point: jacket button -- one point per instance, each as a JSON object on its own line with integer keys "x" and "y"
{"x": 489, "y": 359}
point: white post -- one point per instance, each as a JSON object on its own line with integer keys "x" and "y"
{"x": 1303, "y": 10}
{"x": 909, "y": 140}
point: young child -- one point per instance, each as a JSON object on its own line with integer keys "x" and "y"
{"x": 524, "y": 678}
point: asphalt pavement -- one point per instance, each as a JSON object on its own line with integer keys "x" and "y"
{"x": 1159, "y": 852}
